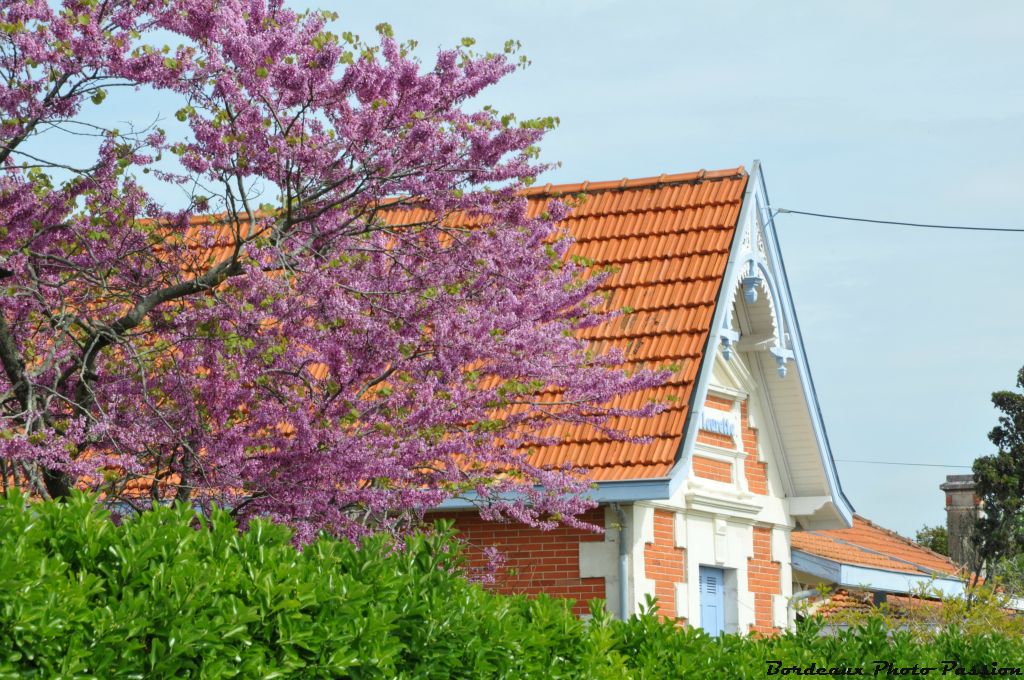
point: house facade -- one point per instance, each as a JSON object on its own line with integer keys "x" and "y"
{"x": 702, "y": 515}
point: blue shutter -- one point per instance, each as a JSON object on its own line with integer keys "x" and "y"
{"x": 712, "y": 600}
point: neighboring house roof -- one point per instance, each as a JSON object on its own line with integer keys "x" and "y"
{"x": 869, "y": 557}
{"x": 844, "y": 603}
{"x": 669, "y": 239}
{"x": 844, "y": 600}
{"x": 865, "y": 561}
{"x": 869, "y": 545}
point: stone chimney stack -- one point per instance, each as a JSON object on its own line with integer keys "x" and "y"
{"x": 961, "y": 511}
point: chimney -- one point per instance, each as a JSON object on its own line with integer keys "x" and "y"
{"x": 961, "y": 511}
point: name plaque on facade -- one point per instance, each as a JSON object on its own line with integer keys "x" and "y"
{"x": 719, "y": 422}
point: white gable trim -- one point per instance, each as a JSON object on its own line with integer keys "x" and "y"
{"x": 755, "y": 262}
{"x": 681, "y": 471}
{"x": 842, "y": 504}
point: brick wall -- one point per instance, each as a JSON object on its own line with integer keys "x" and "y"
{"x": 665, "y": 563}
{"x": 755, "y": 471}
{"x": 764, "y": 580}
{"x": 721, "y": 403}
{"x": 715, "y": 439}
{"x": 708, "y": 468}
{"x": 535, "y": 561}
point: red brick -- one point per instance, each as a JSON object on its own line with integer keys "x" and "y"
{"x": 708, "y": 468}
{"x": 665, "y": 563}
{"x": 756, "y": 472}
{"x": 714, "y": 439}
{"x": 764, "y": 580}
{"x": 535, "y": 561}
{"x": 721, "y": 403}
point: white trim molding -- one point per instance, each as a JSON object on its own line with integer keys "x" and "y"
{"x": 759, "y": 319}
{"x": 882, "y": 580}
{"x": 712, "y": 497}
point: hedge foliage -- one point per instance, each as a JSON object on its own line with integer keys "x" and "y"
{"x": 169, "y": 595}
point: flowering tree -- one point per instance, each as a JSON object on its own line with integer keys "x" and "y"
{"x": 371, "y": 323}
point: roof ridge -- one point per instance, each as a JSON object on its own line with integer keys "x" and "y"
{"x": 549, "y": 189}
{"x": 637, "y": 183}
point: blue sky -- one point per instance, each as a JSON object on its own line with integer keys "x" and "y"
{"x": 910, "y": 110}
{"x": 906, "y": 111}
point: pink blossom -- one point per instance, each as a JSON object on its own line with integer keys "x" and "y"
{"x": 305, "y": 362}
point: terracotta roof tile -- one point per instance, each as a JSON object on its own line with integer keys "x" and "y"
{"x": 845, "y": 606}
{"x": 869, "y": 545}
{"x": 669, "y": 237}
{"x": 667, "y": 240}
{"x": 844, "y": 601}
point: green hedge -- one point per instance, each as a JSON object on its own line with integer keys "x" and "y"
{"x": 168, "y": 595}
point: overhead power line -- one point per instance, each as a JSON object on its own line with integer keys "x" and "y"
{"x": 898, "y": 224}
{"x": 892, "y": 462}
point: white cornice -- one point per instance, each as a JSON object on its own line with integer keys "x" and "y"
{"x": 719, "y": 497}
{"x": 806, "y": 505}
{"x": 730, "y": 393}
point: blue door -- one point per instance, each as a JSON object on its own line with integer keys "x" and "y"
{"x": 712, "y": 600}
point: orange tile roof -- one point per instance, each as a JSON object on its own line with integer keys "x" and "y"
{"x": 868, "y": 545}
{"x": 845, "y": 603}
{"x": 669, "y": 238}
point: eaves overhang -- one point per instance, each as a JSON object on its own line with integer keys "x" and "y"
{"x": 618, "y": 491}
{"x": 875, "y": 579}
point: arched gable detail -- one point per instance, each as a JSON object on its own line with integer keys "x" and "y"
{"x": 755, "y": 297}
